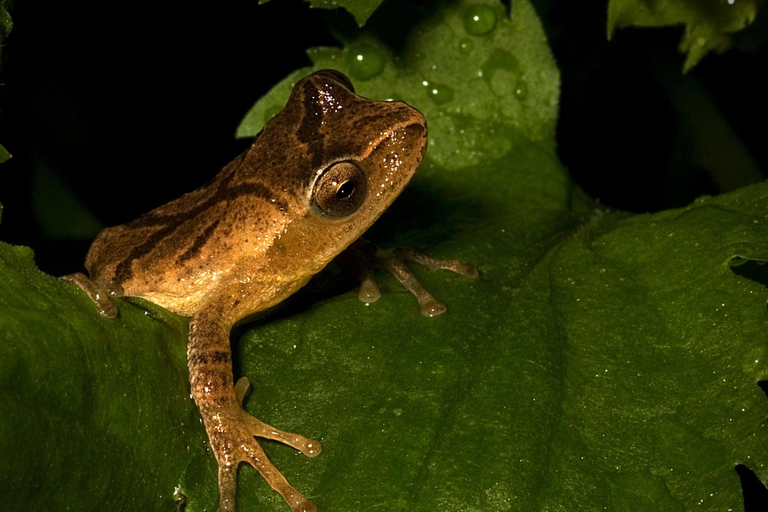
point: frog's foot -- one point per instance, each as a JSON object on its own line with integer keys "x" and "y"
{"x": 232, "y": 436}
{"x": 98, "y": 291}
{"x": 395, "y": 262}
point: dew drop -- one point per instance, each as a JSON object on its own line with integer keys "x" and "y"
{"x": 521, "y": 90}
{"x": 466, "y": 45}
{"x": 365, "y": 61}
{"x": 479, "y": 19}
{"x": 499, "y": 60}
{"x": 440, "y": 94}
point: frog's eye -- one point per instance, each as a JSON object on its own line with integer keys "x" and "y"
{"x": 340, "y": 189}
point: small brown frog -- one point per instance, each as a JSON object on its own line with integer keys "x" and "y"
{"x": 316, "y": 177}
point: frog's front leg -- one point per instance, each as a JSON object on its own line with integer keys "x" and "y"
{"x": 230, "y": 429}
{"x": 368, "y": 257}
{"x": 98, "y": 291}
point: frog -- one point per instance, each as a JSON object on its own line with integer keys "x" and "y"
{"x": 315, "y": 178}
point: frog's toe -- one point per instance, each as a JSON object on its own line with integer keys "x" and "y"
{"x": 254, "y": 455}
{"x": 455, "y": 266}
{"x": 237, "y": 443}
{"x": 395, "y": 262}
{"x": 228, "y": 485}
{"x": 257, "y": 428}
{"x": 306, "y": 506}
{"x": 369, "y": 290}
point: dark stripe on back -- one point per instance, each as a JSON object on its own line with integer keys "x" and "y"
{"x": 199, "y": 243}
{"x": 172, "y": 222}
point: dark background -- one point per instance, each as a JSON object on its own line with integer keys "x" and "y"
{"x": 129, "y": 105}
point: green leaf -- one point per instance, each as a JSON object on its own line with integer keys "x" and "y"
{"x": 708, "y": 24}
{"x": 360, "y": 9}
{"x": 95, "y": 413}
{"x": 602, "y": 360}
{"x": 6, "y": 24}
{"x": 4, "y": 154}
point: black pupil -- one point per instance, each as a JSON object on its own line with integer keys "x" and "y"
{"x": 345, "y": 190}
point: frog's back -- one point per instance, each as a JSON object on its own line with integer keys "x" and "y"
{"x": 176, "y": 253}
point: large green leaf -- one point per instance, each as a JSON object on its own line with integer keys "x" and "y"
{"x": 602, "y": 360}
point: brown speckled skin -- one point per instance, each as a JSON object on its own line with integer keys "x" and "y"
{"x": 251, "y": 237}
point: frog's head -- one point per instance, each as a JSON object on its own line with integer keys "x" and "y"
{"x": 364, "y": 152}
{"x": 343, "y": 159}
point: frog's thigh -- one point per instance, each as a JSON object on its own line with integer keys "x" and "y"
{"x": 230, "y": 429}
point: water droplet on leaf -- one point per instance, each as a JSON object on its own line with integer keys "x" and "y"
{"x": 499, "y": 60}
{"x": 440, "y": 94}
{"x": 479, "y": 19}
{"x": 521, "y": 89}
{"x": 365, "y": 61}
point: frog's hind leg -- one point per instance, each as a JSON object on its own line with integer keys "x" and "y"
{"x": 98, "y": 291}
{"x": 230, "y": 429}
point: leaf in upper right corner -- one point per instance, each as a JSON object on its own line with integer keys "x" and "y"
{"x": 5, "y": 28}
{"x": 4, "y": 154}
{"x": 708, "y": 23}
